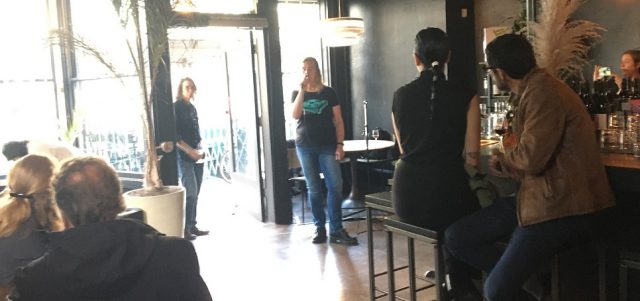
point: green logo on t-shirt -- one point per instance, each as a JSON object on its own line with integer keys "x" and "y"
{"x": 315, "y": 106}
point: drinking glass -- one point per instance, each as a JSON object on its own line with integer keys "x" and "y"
{"x": 636, "y": 150}
{"x": 375, "y": 134}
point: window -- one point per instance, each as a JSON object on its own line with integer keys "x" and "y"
{"x": 299, "y": 38}
{"x": 27, "y": 85}
{"x": 218, "y": 6}
{"x": 108, "y": 106}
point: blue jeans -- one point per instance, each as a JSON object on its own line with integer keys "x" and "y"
{"x": 191, "y": 178}
{"x": 472, "y": 239}
{"x": 315, "y": 160}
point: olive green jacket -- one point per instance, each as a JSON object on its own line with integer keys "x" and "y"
{"x": 556, "y": 154}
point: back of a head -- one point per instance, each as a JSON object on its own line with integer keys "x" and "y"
{"x": 431, "y": 45}
{"x": 512, "y": 53}
{"x": 88, "y": 190}
{"x": 30, "y": 197}
{"x": 15, "y": 149}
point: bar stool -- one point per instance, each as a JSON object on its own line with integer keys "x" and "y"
{"x": 394, "y": 225}
{"x": 380, "y": 201}
{"x": 629, "y": 259}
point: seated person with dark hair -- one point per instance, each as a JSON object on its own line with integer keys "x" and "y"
{"x": 101, "y": 258}
{"x": 14, "y": 150}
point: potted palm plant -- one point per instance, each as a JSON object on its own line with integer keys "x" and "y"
{"x": 163, "y": 205}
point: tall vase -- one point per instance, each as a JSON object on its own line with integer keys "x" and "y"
{"x": 164, "y": 209}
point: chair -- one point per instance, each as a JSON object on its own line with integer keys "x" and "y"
{"x": 132, "y": 213}
{"x": 380, "y": 163}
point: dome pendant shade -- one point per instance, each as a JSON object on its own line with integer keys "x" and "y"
{"x": 342, "y": 31}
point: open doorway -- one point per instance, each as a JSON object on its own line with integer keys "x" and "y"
{"x": 224, "y": 66}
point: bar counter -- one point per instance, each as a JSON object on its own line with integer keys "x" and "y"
{"x": 623, "y": 171}
{"x": 620, "y": 160}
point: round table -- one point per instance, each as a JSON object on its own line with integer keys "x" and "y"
{"x": 353, "y": 148}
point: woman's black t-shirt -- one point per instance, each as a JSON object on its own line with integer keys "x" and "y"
{"x": 315, "y": 127}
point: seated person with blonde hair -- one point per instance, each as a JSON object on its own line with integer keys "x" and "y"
{"x": 27, "y": 212}
{"x": 103, "y": 258}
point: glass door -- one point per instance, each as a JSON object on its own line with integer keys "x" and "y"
{"x": 221, "y": 61}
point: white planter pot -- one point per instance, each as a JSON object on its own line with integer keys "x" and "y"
{"x": 164, "y": 210}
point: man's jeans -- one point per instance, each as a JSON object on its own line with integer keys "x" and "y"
{"x": 191, "y": 179}
{"x": 315, "y": 160}
{"x": 472, "y": 240}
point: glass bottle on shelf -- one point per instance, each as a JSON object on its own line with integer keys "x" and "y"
{"x": 634, "y": 95}
{"x": 585, "y": 94}
{"x": 599, "y": 106}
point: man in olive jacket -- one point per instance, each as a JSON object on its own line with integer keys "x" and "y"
{"x": 563, "y": 185}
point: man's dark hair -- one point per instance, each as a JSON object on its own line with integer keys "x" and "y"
{"x": 15, "y": 149}
{"x": 88, "y": 190}
{"x": 512, "y": 53}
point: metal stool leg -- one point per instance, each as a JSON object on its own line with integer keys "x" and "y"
{"x": 390, "y": 268}
{"x": 623, "y": 282}
{"x": 555, "y": 279}
{"x": 441, "y": 287}
{"x": 412, "y": 269}
{"x": 372, "y": 280}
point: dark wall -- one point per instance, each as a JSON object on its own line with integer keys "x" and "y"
{"x": 620, "y": 19}
{"x": 383, "y": 61}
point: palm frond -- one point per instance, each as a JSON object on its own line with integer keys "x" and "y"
{"x": 560, "y": 43}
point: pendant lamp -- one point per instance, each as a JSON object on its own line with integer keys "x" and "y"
{"x": 341, "y": 31}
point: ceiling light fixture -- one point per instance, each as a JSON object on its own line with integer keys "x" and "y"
{"x": 341, "y": 31}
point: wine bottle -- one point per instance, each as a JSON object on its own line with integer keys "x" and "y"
{"x": 599, "y": 107}
{"x": 634, "y": 95}
{"x": 585, "y": 94}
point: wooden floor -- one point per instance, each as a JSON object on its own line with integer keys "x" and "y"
{"x": 245, "y": 259}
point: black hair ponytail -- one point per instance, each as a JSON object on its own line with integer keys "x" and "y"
{"x": 432, "y": 49}
{"x": 435, "y": 69}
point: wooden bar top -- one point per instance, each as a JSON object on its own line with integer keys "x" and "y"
{"x": 620, "y": 160}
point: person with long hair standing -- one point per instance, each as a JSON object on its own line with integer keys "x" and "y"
{"x": 188, "y": 141}
{"x": 437, "y": 126}
{"x": 319, "y": 142}
{"x": 27, "y": 212}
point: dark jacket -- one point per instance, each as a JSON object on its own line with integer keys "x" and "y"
{"x": 556, "y": 154}
{"x": 114, "y": 260}
{"x": 18, "y": 250}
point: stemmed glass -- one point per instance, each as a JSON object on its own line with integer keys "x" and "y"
{"x": 500, "y": 128}
{"x": 375, "y": 134}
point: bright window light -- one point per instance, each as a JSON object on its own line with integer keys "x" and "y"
{"x": 217, "y": 6}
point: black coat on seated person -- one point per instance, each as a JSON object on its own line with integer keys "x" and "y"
{"x": 113, "y": 260}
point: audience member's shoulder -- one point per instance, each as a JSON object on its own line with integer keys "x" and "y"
{"x": 176, "y": 244}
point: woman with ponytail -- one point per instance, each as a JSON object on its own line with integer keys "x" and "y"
{"x": 437, "y": 125}
{"x": 27, "y": 212}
